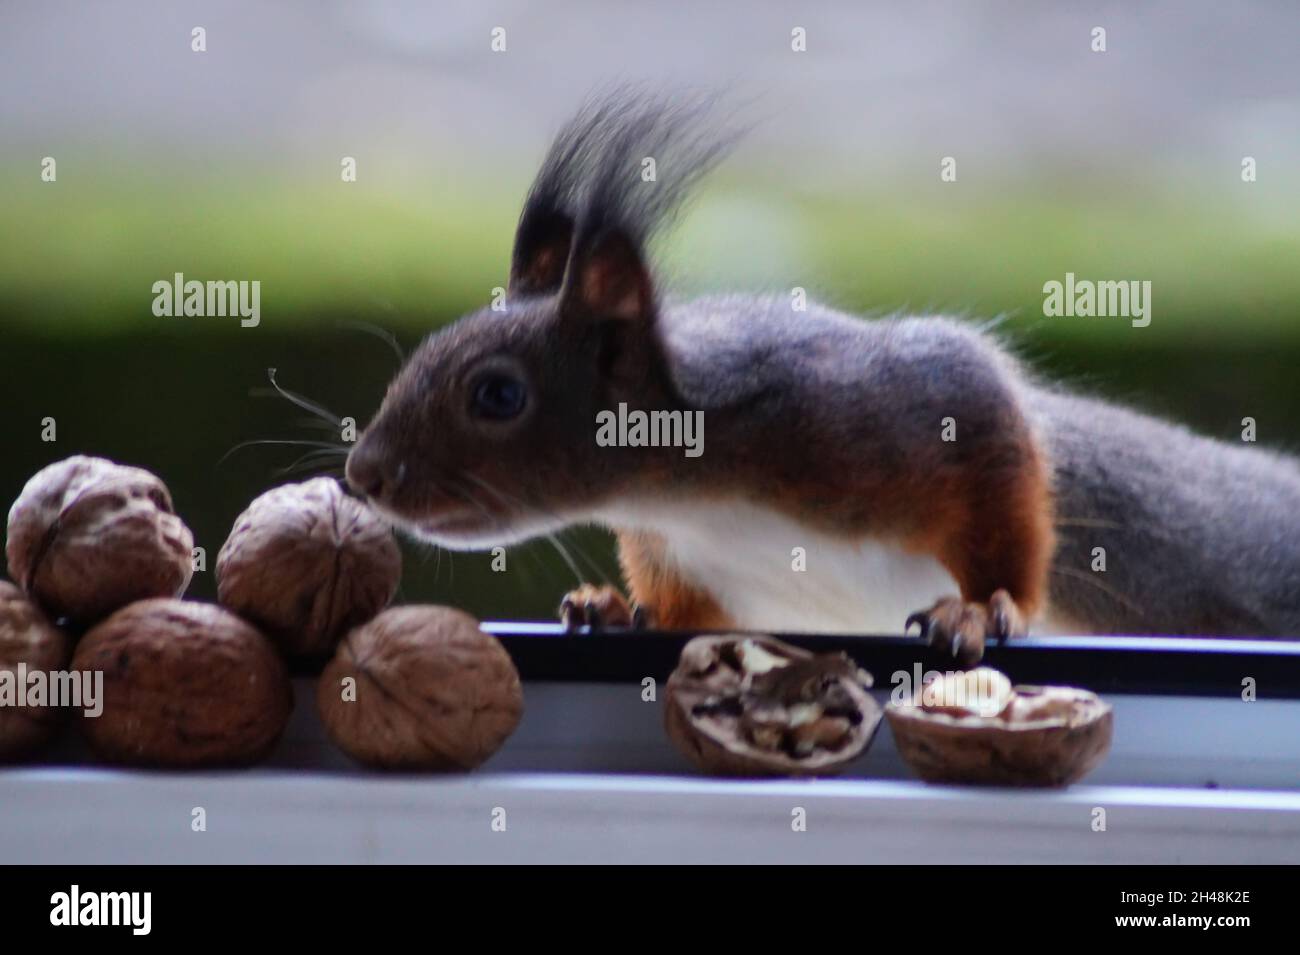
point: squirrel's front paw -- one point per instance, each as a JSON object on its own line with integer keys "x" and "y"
{"x": 598, "y": 607}
{"x": 962, "y": 628}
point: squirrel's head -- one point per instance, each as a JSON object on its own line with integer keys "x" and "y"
{"x": 488, "y": 435}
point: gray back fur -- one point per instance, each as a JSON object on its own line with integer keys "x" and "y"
{"x": 1200, "y": 536}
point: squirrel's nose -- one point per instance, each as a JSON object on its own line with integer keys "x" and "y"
{"x": 367, "y": 472}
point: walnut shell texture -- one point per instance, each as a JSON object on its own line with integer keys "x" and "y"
{"x": 27, "y": 637}
{"x": 87, "y": 536}
{"x": 186, "y": 684}
{"x": 1046, "y": 736}
{"x": 432, "y": 691}
{"x": 306, "y": 562}
{"x": 746, "y": 705}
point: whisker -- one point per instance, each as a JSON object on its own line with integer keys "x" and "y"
{"x": 994, "y": 322}
{"x": 317, "y": 425}
{"x": 467, "y": 497}
{"x": 564, "y": 555}
{"x": 538, "y": 567}
{"x": 554, "y": 540}
{"x": 304, "y": 403}
{"x": 382, "y": 334}
{"x": 311, "y": 462}
{"x": 506, "y": 498}
{"x": 308, "y": 473}
{"x": 300, "y": 443}
{"x": 1109, "y": 591}
{"x": 598, "y": 572}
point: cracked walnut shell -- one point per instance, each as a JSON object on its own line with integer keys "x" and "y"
{"x": 974, "y": 727}
{"x": 87, "y": 536}
{"x": 757, "y": 706}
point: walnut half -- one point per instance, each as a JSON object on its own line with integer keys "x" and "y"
{"x": 756, "y": 706}
{"x": 974, "y": 727}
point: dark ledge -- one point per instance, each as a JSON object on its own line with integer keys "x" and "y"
{"x": 1165, "y": 666}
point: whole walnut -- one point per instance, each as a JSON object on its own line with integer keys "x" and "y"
{"x": 185, "y": 684}
{"x": 429, "y": 690}
{"x": 87, "y": 536}
{"x": 305, "y": 562}
{"x": 29, "y": 640}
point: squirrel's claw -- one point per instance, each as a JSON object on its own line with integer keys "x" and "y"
{"x": 1007, "y": 619}
{"x": 962, "y": 629}
{"x": 595, "y": 608}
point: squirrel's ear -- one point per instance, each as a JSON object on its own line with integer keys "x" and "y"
{"x": 541, "y": 252}
{"x": 608, "y": 279}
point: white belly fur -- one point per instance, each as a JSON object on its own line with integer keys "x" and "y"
{"x": 744, "y": 556}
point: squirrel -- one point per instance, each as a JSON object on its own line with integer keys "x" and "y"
{"x": 919, "y": 472}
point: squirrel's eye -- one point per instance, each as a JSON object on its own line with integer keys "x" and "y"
{"x": 499, "y": 397}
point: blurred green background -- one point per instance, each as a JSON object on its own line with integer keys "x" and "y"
{"x": 225, "y": 165}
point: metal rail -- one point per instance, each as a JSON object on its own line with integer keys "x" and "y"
{"x": 1179, "y": 666}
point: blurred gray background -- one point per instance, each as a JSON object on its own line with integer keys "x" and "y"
{"x": 225, "y": 165}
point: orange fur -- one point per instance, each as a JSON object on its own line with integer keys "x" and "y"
{"x": 674, "y": 603}
{"x": 994, "y": 528}
{"x": 988, "y": 521}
